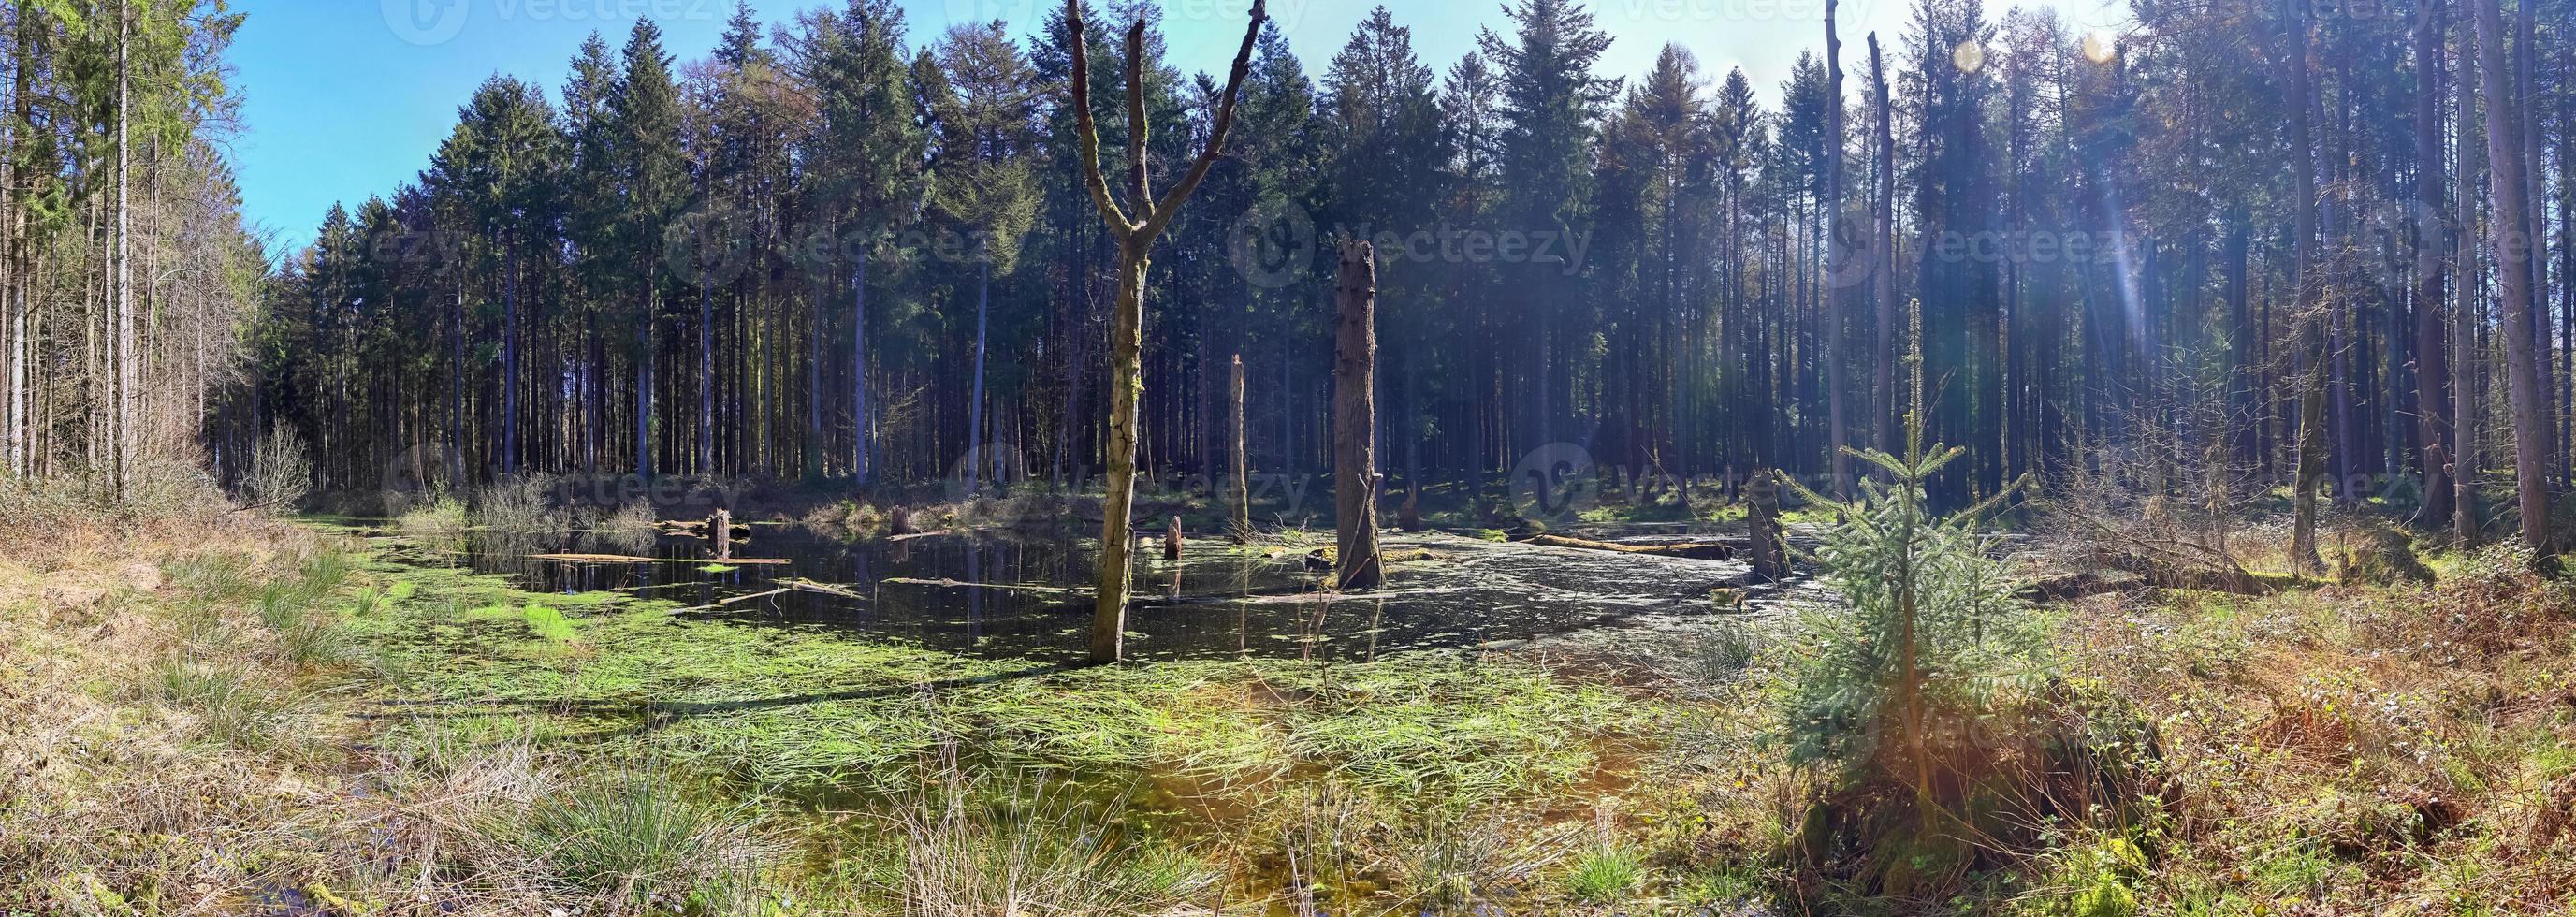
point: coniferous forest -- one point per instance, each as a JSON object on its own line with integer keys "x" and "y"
{"x": 882, "y": 465}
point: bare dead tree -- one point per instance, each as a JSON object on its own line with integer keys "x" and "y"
{"x": 1135, "y": 236}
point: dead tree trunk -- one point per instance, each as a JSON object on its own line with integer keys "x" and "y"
{"x": 1770, "y": 549}
{"x": 2510, "y": 184}
{"x": 1127, "y": 317}
{"x": 1355, "y": 419}
{"x": 2464, "y": 308}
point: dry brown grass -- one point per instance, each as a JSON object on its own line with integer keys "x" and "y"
{"x": 164, "y": 752}
{"x": 2356, "y": 749}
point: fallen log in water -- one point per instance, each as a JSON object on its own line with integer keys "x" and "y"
{"x": 624, "y": 559}
{"x": 801, "y": 585}
{"x": 997, "y": 587}
{"x": 1701, "y": 551}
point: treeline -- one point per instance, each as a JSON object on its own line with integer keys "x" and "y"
{"x": 2230, "y": 244}
{"x": 126, "y": 276}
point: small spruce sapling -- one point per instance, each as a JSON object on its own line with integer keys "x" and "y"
{"x": 1927, "y": 627}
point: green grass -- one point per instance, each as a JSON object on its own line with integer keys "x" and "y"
{"x": 864, "y": 714}
{"x": 634, "y": 836}
{"x": 1605, "y": 874}
{"x": 229, "y": 706}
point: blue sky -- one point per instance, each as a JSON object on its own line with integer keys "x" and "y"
{"x": 348, "y": 98}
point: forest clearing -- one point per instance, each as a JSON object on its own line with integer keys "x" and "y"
{"x": 1061, "y": 458}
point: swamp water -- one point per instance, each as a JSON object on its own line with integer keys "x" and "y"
{"x": 1016, "y": 594}
{"x": 957, "y": 657}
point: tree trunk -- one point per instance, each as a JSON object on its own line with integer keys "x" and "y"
{"x": 123, "y": 432}
{"x": 2464, "y": 308}
{"x": 1355, "y": 485}
{"x": 815, "y": 390}
{"x": 975, "y": 407}
{"x": 644, "y": 357}
{"x": 2508, "y": 180}
{"x": 510, "y": 356}
{"x": 1883, "y": 279}
{"x": 1242, "y": 462}
{"x": 706, "y": 363}
{"x": 1834, "y": 297}
{"x": 859, "y": 427}
{"x": 2312, "y": 400}
{"x": 1126, "y": 378}
{"x": 2432, "y": 365}
{"x": 1770, "y": 549}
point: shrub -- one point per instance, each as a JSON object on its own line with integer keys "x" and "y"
{"x": 281, "y": 472}
{"x": 518, "y": 503}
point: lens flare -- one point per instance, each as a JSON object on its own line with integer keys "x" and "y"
{"x": 2101, "y": 47}
{"x": 1970, "y": 56}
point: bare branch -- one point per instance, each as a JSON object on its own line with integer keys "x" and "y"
{"x": 1138, "y": 189}
{"x": 1086, "y": 133}
{"x": 1171, "y": 202}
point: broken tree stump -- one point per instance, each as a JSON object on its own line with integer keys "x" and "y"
{"x": 1172, "y": 540}
{"x": 1355, "y": 479}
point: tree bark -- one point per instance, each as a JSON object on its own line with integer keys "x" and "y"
{"x": 644, "y": 357}
{"x": 2464, "y": 308}
{"x": 1840, "y": 430}
{"x": 123, "y": 434}
{"x": 2508, "y": 179}
{"x": 1883, "y": 279}
{"x": 859, "y": 427}
{"x": 975, "y": 406}
{"x": 2432, "y": 365}
{"x": 1355, "y": 485}
{"x": 510, "y": 355}
{"x": 1126, "y": 371}
{"x": 2312, "y": 399}
{"x": 1242, "y": 462}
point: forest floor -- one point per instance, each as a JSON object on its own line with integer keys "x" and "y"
{"x": 219, "y": 715}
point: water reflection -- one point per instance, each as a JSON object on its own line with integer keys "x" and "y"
{"x": 1017, "y": 595}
